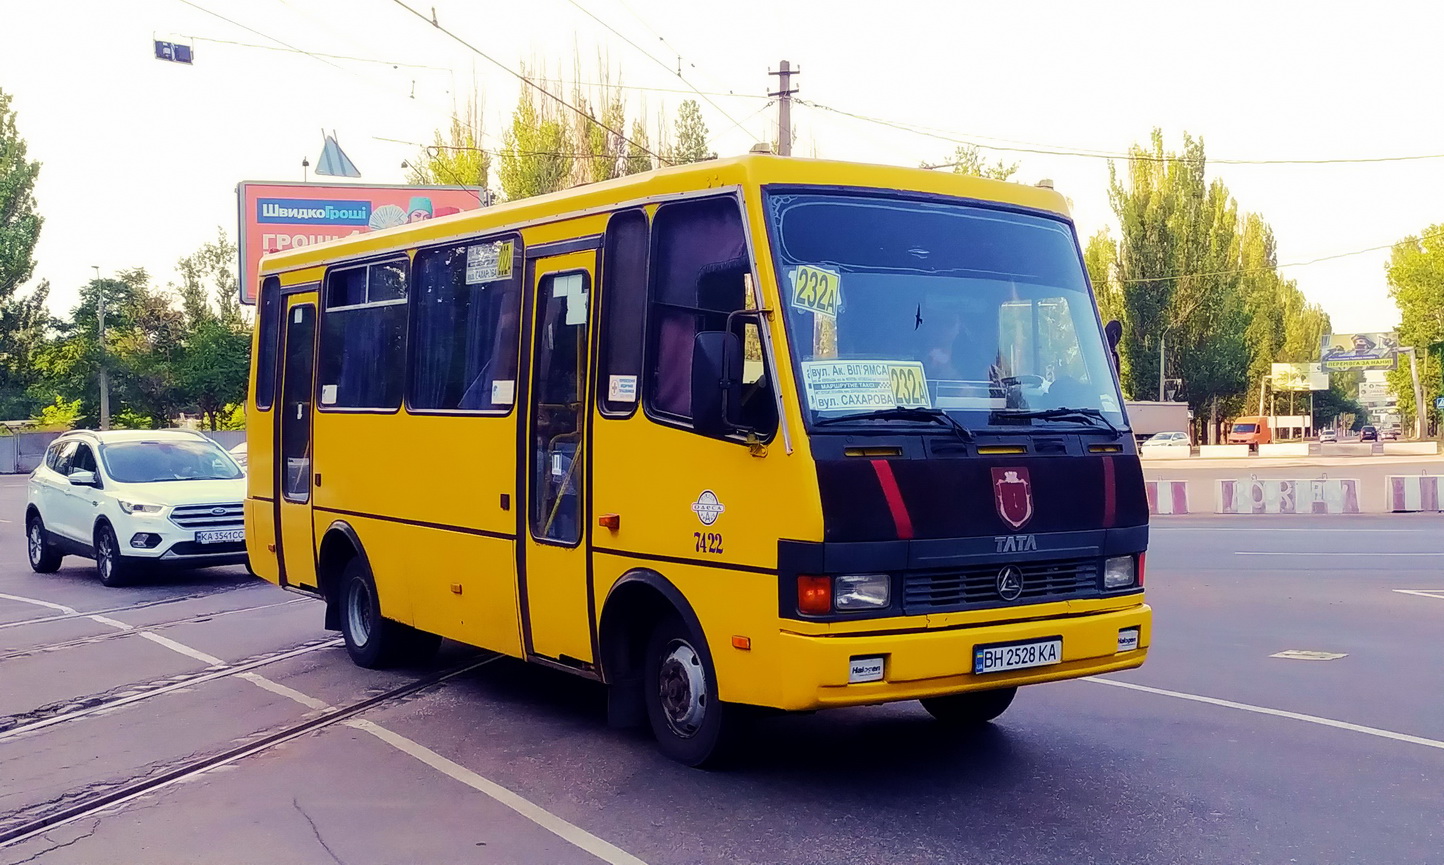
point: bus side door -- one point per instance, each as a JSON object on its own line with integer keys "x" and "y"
{"x": 553, "y": 475}
{"x": 293, "y": 465}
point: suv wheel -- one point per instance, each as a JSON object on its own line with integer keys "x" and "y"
{"x": 44, "y": 557}
{"x": 114, "y": 569}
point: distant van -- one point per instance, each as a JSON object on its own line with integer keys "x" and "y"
{"x": 1250, "y": 431}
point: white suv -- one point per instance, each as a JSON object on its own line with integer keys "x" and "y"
{"x": 128, "y": 498}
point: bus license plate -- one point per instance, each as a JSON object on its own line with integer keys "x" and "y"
{"x": 228, "y": 536}
{"x": 1016, "y": 656}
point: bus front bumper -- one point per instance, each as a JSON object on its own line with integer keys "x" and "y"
{"x": 934, "y": 663}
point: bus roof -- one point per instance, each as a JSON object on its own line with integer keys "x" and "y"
{"x": 749, "y": 170}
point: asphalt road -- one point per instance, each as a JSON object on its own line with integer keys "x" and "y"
{"x": 1213, "y": 752}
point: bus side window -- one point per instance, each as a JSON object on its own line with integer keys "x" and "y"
{"x": 699, "y": 275}
{"x": 624, "y": 306}
{"x": 363, "y": 337}
{"x": 464, "y": 334}
{"x": 266, "y": 343}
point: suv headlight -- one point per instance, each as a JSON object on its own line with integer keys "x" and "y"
{"x": 861, "y": 592}
{"x": 1120, "y": 572}
{"x": 138, "y": 507}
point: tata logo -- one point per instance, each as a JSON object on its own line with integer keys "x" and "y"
{"x": 1015, "y": 543}
{"x": 1010, "y": 583}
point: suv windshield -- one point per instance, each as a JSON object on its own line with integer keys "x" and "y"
{"x": 140, "y": 462}
{"x": 982, "y": 313}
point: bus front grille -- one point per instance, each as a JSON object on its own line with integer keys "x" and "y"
{"x": 976, "y": 586}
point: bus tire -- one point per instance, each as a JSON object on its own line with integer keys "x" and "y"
{"x": 691, "y": 724}
{"x": 969, "y": 709}
{"x": 373, "y": 641}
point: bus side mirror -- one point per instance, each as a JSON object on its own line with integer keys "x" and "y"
{"x": 1114, "y": 331}
{"x": 716, "y": 380}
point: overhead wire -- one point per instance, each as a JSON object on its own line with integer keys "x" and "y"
{"x": 528, "y": 82}
{"x": 320, "y": 54}
{"x": 1310, "y": 261}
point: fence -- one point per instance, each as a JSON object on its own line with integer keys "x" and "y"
{"x": 21, "y": 453}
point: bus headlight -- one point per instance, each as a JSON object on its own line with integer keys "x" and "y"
{"x": 861, "y": 592}
{"x": 1119, "y": 572}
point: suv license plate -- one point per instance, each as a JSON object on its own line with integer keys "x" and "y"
{"x": 227, "y": 536}
{"x": 1016, "y": 656}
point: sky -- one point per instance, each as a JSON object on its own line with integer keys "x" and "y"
{"x": 141, "y": 157}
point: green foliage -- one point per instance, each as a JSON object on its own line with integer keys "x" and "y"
{"x": 691, "y": 136}
{"x": 967, "y": 159}
{"x": 536, "y": 156}
{"x": 638, "y": 158}
{"x": 456, "y": 158}
{"x": 1416, "y": 282}
{"x": 233, "y": 417}
{"x": 59, "y": 415}
{"x": 23, "y": 320}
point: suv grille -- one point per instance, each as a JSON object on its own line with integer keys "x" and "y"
{"x": 977, "y": 585}
{"x": 231, "y": 516}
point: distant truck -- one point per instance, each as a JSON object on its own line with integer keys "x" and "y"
{"x": 1252, "y": 430}
{"x": 1148, "y": 418}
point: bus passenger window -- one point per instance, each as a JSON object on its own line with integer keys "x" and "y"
{"x": 700, "y": 273}
{"x": 267, "y": 340}
{"x": 464, "y": 342}
{"x": 363, "y": 337}
{"x": 624, "y": 306}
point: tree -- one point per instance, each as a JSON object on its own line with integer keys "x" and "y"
{"x": 639, "y": 157}
{"x": 23, "y": 320}
{"x": 1416, "y": 283}
{"x": 536, "y": 156}
{"x": 457, "y": 157}
{"x": 213, "y": 370}
{"x": 1100, "y": 257}
{"x": 968, "y": 159}
{"x": 691, "y": 136}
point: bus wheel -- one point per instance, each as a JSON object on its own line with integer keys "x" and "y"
{"x": 971, "y": 708}
{"x": 692, "y": 726}
{"x": 372, "y": 640}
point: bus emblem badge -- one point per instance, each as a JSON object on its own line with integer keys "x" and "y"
{"x": 1010, "y": 583}
{"x": 1013, "y": 494}
{"x": 708, "y": 508}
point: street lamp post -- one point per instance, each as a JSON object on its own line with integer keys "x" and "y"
{"x": 104, "y": 379}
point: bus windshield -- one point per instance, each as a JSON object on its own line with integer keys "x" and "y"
{"x": 895, "y": 303}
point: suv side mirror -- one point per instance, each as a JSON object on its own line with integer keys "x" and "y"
{"x": 716, "y": 380}
{"x": 81, "y": 478}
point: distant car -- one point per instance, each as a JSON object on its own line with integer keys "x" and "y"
{"x": 1369, "y": 434}
{"x": 1389, "y": 435}
{"x": 1168, "y": 439}
{"x": 238, "y": 453}
{"x": 135, "y": 498}
{"x": 1329, "y": 436}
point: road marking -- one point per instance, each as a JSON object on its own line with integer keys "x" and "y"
{"x": 1340, "y": 553}
{"x": 1277, "y": 713}
{"x": 289, "y": 693}
{"x": 547, "y": 820}
{"x": 1309, "y": 655}
{"x": 1437, "y": 594}
{"x": 39, "y": 603}
{"x": 182, "y": 648}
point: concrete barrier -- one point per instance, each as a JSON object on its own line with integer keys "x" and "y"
{"x": 1412, "y": 448}
{"x": 1164, "y": 452}
{"x": 1412, "y": 493}
{"x": 1288, "y": 496}
{"x": 1222, "y": 451}
{"x": 1349, "y": 449}
{"x": 1290, "y": 449}
{"x": 1167, "y": 497}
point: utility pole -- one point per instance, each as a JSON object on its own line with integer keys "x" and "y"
{"x": 1418, "y": 392}
{"x": 784, "y": 93}
{"x": 104, "y": 379}
{"x": 1161, "y": 337}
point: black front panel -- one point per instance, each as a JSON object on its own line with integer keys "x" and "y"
{"x": 976, "y": 586}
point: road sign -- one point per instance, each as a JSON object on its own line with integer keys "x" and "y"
{"x": 172, "y": 51}
{"x": 1439, "y": 403}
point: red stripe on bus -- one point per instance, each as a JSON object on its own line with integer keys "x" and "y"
{"x": 895, "y": 503}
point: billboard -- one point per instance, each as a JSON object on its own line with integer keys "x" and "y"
{"x": 1299, "y": 377}
{"x": 280, "y": 216}
{"x": 1359, "y": 351}
{"x": 1374, "y": 393}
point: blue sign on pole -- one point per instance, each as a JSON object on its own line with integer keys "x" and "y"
{"x": 1439, "y": 403}
{"x": 172, "y": 51}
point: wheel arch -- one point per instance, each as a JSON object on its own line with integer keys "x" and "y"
{"x": 633, "y": 606}
{"x": 339, "y": 545}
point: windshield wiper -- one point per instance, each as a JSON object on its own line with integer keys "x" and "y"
{"x": 925, "y": 415}
{"x": 1092, "y": 415}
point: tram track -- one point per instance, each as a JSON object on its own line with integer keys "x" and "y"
{"x": 135, "y": 630}
{"x": 86, "y": 614}
{"x": 83, "y": 807}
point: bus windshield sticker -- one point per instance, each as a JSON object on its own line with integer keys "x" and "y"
{"x": 503, "y": 392}
{"x": 622, "y": 388}
{"x": 817, "y": 290}
{"x": 328, "y": 394}
{"x": 488, "y": 262}
{"x": 864, "y": 385}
